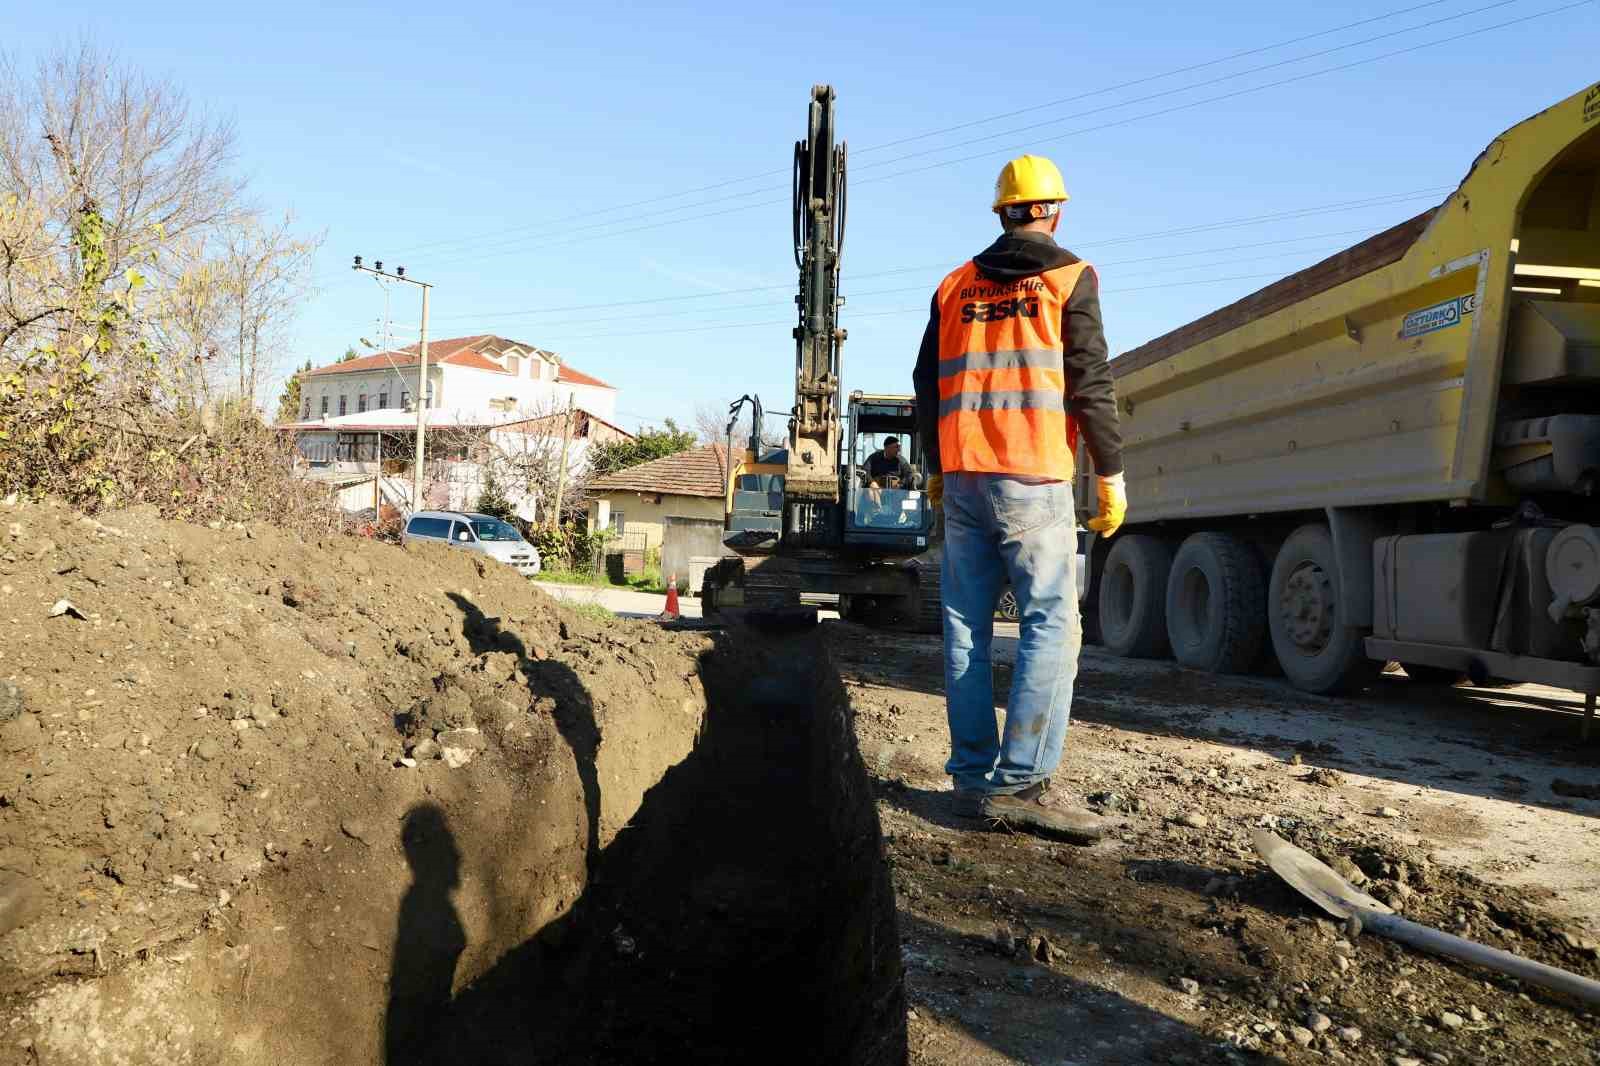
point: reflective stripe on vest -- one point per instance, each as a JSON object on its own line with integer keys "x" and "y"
{"x": 1002, "y": 374}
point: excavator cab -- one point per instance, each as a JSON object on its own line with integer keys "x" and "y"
{"x": 888, "y": 513}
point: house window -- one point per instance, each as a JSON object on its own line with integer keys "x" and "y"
{"x": 514, "y": 365}
{"x": 361, "y": 404}
{"x": 619, "y": 524}
{"x": 343, "y": 403}
{"x": 383, "y": 401}
{"x": 324, "y": 405}
{"x": 358, "y": 447}
{"x": 405, "y": 398}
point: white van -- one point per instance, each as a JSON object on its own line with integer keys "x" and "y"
{"x": 473, "y": 532}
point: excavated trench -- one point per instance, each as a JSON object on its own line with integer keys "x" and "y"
{"x": 745, "y": 914}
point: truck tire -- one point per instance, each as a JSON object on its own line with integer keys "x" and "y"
{"x": 1216, "y": 604}
{"x": 1133, "y": 597}
{"x": 1318, "y": 649}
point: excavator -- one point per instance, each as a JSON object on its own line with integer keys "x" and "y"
{"x": 808, "y": 519}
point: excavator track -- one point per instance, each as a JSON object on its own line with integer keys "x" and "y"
{"x": 769, "y": 596}
{"x": 930, "y": 605}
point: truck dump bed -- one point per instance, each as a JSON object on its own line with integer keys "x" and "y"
{"x": 1374, "y": 376}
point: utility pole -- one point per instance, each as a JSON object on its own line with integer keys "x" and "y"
{"x": 422, "y": 370}
{"x": 561, "y": 474}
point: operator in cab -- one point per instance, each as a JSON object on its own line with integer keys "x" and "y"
{"x": 1013, "y": 367}
{"x": 887, "y": 468}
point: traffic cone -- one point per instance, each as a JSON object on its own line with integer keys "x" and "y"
{"x": 671, "y": 613}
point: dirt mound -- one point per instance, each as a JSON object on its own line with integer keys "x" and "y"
{"x": 266, "y": 801}
{"x": 215, "y": 740}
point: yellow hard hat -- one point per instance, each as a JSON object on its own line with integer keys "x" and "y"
{"x": 1029, "y": 179}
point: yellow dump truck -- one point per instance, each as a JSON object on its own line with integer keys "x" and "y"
{"x": 1392, "y": 455}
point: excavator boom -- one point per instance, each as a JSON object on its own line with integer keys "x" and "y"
{"x": 819, "y": 216}
{"x": 809, "y": 519}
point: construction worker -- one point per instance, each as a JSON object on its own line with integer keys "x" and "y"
{"x": 887, "y": 463}
{"x": 1013, "y": 366}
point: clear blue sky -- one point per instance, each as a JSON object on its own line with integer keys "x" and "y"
{"x": 460, "y": 141}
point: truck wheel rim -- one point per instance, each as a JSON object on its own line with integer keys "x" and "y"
{"x": 1307, "y": 608}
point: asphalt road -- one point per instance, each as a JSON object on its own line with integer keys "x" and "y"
{"x": 625, "y": 602}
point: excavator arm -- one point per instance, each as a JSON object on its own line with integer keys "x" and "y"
{"x": 819, "y": 215}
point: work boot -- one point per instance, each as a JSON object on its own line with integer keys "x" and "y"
{"x": 968, "y": 802}
{"x": 1036, "y": 810}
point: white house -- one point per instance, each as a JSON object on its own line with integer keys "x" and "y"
{"x": 357, "y": 417}
{"x": 482, "y": 378}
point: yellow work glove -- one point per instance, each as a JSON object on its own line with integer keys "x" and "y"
{"x": 1113, "y": 498}
{"x": 935, "y": 490}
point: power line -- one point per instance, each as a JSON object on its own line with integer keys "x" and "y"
{"x": 1239, "y": 92}
{"x": 629, "y": 226}
{"x": 1188, "y": 88}
{"x": 927, "y": 286}
{"x": 1385, "y": 200}
{"x": 946, "y": 129}
{"x": 1153, "y": 77}
{"x": 922, "y": 309}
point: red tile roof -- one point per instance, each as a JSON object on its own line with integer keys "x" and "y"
{"x": 474, "y": 360}
{"x": 387, "y": 360}
{"x": 578, "y": 377}
{"x": 457, "y": 351}
{"x": 697, "y": 472}
{"x": 381, "y": 361}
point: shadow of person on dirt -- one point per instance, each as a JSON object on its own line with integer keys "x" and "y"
{"x": 428, "y": 939}
{"x": 574, "y": 708}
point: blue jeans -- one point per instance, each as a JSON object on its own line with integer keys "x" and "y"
{"x": 997, "y": 527}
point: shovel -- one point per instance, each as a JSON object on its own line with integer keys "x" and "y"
{"x": 1360, "y": 911}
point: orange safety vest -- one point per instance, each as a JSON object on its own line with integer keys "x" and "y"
{"x": 1002, "y": 374}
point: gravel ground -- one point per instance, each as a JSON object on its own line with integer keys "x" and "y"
{"x": 1171, "y": 942}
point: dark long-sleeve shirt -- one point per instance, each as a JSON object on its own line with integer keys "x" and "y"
{"x": 880, "y": 467}
{"x": 1090, "y": 395}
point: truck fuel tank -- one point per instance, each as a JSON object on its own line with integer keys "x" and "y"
{"x": 1488, "y": 590}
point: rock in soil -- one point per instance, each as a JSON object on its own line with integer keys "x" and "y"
{"x": 10, "y": 701}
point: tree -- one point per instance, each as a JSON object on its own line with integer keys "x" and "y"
{"x": 491, "y": 498}
{"x": 81, "y": 132}
{"x": 229, "y": 312}
{"x": 711, "y": 423}
{"x": 289, "y": 401}
{"x": 521, "y": 457}
{"x": 350, "y": 355}
{"x": 650, "y": 444}
{"x": 136, "y": 311}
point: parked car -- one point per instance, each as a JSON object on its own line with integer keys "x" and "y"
{"x": 1007, "y": 610}
{"x": 472, "y": 532}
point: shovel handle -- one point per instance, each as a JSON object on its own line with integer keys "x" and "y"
{"x": 1441, "y": 943}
